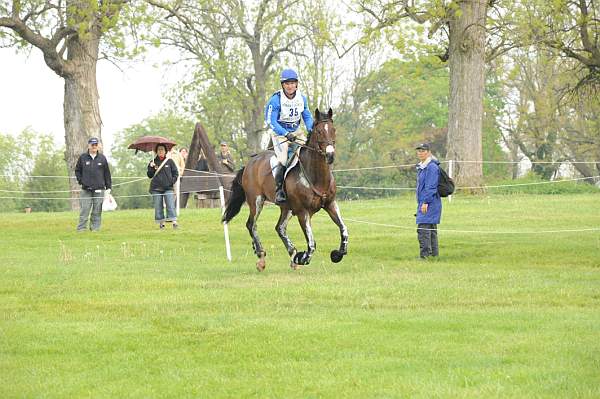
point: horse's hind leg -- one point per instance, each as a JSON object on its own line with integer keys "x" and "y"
{"x": 281, "y": 229}
{"x": 334, "y": 213}
{"x": 255, "y": 209}
{"x": 303, "y": 258}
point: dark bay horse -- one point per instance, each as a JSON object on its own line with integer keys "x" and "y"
{"x": 310, "y": 186}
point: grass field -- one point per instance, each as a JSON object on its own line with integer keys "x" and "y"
{"x": 135, "y": 312}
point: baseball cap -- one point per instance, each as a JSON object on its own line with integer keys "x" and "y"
{"x": 223, "y": 143}
{"x": 93, "y": 140}
{"x": 422, "y": 146}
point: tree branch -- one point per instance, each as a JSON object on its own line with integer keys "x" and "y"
{"x": 47, "y": 46}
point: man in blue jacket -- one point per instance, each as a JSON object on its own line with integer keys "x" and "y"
{"x": 283, "y": 112}
{"x": 429, "y": 202}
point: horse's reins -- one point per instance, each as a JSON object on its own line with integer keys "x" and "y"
{"x": 320, "y": 194}
{"x": 318, "y": 149}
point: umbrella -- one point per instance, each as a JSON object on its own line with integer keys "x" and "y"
{"x": 148, "y": 143}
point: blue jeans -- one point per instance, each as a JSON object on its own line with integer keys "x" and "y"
{"x": 90, "y": 201}
{"x": 168, "y": 198}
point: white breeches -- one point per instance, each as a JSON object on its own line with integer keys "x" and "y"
{"x": 281, "y": 145}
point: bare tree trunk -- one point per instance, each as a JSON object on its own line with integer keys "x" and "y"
{"x": 255, "y": 126}
{"x": 467, "y": 78}
{"x": 81, "y": 110}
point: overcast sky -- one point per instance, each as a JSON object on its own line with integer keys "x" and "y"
{"x": 32, "y": 95}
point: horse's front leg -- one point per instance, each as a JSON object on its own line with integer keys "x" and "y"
{"x": 281, "y": 229}
{"x": 334, "y": 213}
{"x": 251, "y": 225}
{"x": 303, "y": 258}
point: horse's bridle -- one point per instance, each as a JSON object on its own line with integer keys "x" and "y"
{"x": 318, "y": 150}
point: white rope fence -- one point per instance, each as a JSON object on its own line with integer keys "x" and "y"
{"x": 512, "y": 232}
{"x": 412, "y": 165}
{"x": 338, "y": 186}
{"x": 210, "y": 175}
{"x": 66, "y": 191}
{"x": 114, "y": 196}
{"x": 397, "y": 166}
{"x": 476, "y": 187}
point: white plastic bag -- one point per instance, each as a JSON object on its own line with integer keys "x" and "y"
{"x": 109, "y": 203}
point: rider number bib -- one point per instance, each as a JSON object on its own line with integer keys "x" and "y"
{"x": 291, "y": 108}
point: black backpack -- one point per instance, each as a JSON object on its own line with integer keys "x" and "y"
{"x": 445, "y": 184}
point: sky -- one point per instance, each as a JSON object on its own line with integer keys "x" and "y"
{"x": 32, "y": 95}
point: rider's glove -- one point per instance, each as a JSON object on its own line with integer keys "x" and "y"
{"x": 290, "y": 136}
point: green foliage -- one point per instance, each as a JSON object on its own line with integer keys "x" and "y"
{"x": 28, "y": 154}
{"x": 400, "y": 104}
{"x": 548, "y": 122}
{"x": 493, "y": 104}
{"x": 49, "y": 161}
{"x": 396, "y": 106}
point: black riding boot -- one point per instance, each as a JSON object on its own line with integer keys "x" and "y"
{"x": 280, "y": 196}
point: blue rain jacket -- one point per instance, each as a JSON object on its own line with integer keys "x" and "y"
{"x": 273, "y": 115}
{"x": 427, "y": 192}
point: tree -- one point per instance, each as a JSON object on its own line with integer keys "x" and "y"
{"x": 71, "y": 35}
{"x": 32, "y": 154}
{"x": 466, "y": 52}
{"x": 48, "y": 162}
{"x": 394, "y": 107}
{"x": 315, "y": 57}
{"x": 568, "y": 33}
{"x": 571, "y": 27}
{"x": 235, "y": 46}
{"x": 15, "y": 163}
{"x": 463, "y": 28}
{"x": 542, "y": 121}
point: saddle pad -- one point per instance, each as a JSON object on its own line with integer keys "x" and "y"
{"x": 273, "y": 161}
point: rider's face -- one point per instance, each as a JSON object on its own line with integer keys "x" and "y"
{"x": 290, "y": 87}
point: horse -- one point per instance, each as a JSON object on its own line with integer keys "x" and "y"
{"x": 310, "y": 187}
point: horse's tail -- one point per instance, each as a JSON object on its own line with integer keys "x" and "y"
{"x": 236, "y": 199}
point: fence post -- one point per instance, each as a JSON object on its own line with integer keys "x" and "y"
{"x": 178, "y": 191}
{"x": 225, "y": 227}
{"x": 451, "y": 174}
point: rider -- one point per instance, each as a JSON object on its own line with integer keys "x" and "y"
{"x": 282, "y": 114}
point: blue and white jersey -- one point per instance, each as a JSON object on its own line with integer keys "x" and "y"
{"x": 283, "y": 114}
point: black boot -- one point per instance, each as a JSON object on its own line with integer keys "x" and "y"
{"x": 280, "y": 196}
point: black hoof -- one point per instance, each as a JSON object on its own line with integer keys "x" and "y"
{"x": 301, "y": 258}
{"x": 336, "y": 256}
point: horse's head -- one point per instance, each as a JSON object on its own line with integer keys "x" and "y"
{"x": 322, "y": 137}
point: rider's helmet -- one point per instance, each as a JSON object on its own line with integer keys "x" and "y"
{"x": 288, "y": 75}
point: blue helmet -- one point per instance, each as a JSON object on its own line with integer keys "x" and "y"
{"x": 288, "y": 75}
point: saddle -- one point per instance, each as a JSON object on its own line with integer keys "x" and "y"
{"x": 293, "y": 161}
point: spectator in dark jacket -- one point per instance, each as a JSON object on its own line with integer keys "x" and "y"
{"x": 224, "y": 156}
{"x": 164, "y": 173}
{"x": 429, "y": 202}
{"x": 93, "y": 174}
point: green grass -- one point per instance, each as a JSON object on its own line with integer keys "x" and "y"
{"x": 135, "y": 312}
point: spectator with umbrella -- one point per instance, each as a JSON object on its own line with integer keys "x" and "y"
{"x": 163, "y": 172}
